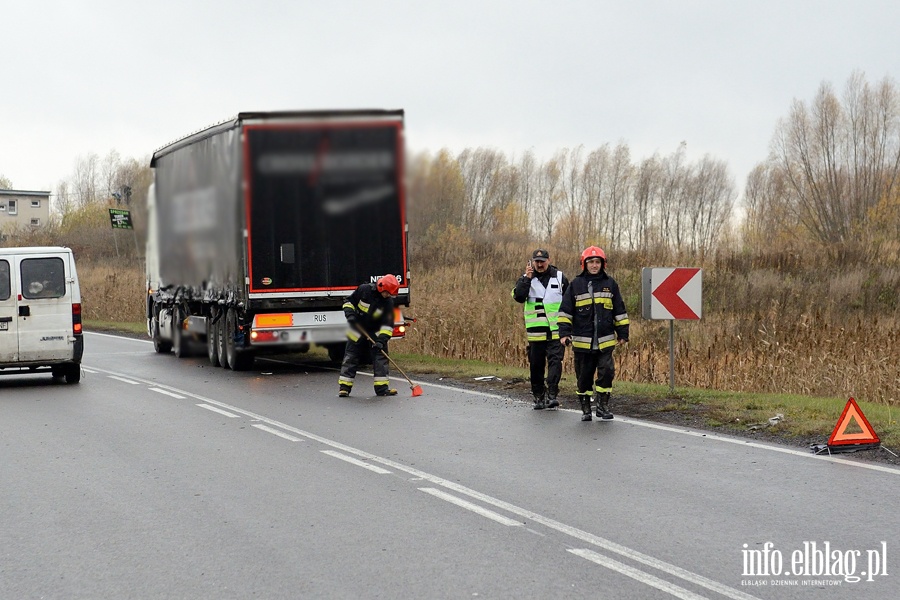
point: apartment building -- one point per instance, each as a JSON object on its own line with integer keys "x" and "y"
{"x": 21, "y": 209}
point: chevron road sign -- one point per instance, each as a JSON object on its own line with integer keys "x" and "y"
{"x": 672, "y": 293}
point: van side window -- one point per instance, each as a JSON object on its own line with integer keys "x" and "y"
{"x": 4, "y": 280}
{"x": 43, "y": 278}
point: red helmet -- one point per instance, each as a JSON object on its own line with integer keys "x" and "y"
{"x": 593, "y": 252}
{"x": 389, "y": 284}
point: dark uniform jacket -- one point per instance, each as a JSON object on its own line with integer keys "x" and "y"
{"x": 593, "y": 313}
{"x": 372, "y": 311}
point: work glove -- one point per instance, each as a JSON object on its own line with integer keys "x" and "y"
{"x": 352, "y": 319}
{"x": 379, "y": 346}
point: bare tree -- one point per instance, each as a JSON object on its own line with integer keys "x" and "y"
{"x": 527, "y": 170}
{"x": 709, "y": 201}
{"x": 620, "y": 215}
{"x": 482, "y": 170}
{"x": 548, "y": 195}
{"x": 437, "y": 194}
{"x": 674, "y": 178}
{"x": 85, "y": 182}
{"x": 644, "y": 231}
{"x": 839, "y": 159}
{"x": 768, "y": 220}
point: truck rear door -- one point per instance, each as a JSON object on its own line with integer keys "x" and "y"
{"x": 325, "y": 204}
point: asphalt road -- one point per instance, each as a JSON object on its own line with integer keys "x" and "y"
{"x": 164, "y": 478}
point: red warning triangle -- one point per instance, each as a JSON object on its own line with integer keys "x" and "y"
{"x": 840, "y": 437}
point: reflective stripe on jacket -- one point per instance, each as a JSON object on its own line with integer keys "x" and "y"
{"x": 593, "y": 313}
{"x": 541, "y": 304}
{"x": 374, "y": 313}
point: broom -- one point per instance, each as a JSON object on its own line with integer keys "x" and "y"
{"x": 416, "y": 389}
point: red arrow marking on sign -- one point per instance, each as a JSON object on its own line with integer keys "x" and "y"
{"x": 667, "y": 293}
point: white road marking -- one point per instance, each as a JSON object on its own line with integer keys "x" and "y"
{"x": 752, "y": 444}
{"x": 473, "y": 507}
{"x": 89, "y": 371}
{"x": 218, "y": 410}
{"x": 123, "y": 380}
{"x": 547, "y": 522}
{"x": 645, "y": 578}
{"x": 357, "y": 462}
{"x": 570, "y": 531}
{"x": 701, "y": 434}
{"x": 166, "y": 392}
{"x": 278, "y": 433}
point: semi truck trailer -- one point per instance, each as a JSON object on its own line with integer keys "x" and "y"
{"x": 260, "y": 226}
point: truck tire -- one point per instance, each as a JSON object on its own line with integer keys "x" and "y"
{"x": 180, "y": 345}
{"x": 161, "y": 346}
{"x": 336, "y": 352}
{"x": 212, "y": 344}
{"x": 220, "y": 341}
{"x": 237, "y": 361}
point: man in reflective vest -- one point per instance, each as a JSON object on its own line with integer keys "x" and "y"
{"x": 541, "y": 289}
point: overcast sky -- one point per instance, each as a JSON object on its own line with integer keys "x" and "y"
{"x": 91, "y": 76}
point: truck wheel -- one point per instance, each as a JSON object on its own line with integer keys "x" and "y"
{"x": 336, "y": 352}
{"x": 161, "y": 346}
{"x": 220, "y": 341}
{"x": 237, "y": 361}
{"x": 179, "y": 341}
{"x": 212, "y": 344}
{"x": 73, "y": 373}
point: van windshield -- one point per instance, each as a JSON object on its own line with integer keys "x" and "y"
{"x": 43, "y": 278}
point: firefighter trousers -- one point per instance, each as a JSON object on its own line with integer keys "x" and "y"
{"x": 360, "y": 353}
{"x": 595, "y": 361}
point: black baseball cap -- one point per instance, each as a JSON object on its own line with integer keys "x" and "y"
{"x": 540, "y": 254}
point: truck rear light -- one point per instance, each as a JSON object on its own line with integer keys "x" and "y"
{"x": 400, "y": 324}
{"x": 76, "y": 319}
{"x": 264, "y": 336}
{"x": 274, "y": 320}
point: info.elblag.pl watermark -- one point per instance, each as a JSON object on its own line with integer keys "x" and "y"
{"x": 812, "y": 564}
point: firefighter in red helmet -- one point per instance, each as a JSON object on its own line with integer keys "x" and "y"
{"x": 593, "y": 319}
{"x": 370, "y": 308}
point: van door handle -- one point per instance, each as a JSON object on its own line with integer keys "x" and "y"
{"x": 24, "y": 311}
{"x": 5, "y": 319}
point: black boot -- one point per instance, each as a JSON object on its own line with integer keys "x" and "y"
{"x": 552, "y": 402}
{"x": 603, "y": 407}
{"x": 539, "y": 402}
{"x": 585, "y": 407}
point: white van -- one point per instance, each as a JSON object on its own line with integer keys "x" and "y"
{"x": 40, "y": 312}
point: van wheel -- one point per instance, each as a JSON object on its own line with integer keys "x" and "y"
{"x": 237, "y": 361}
{"x": 73, "y": 373}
